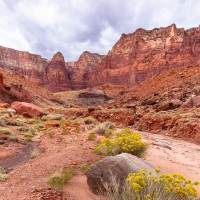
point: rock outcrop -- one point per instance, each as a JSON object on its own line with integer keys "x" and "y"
{"x": 136, "y": 57}
{"x": 12, "y": 93}
{"x": 93, "y": 97}
{"x": 28, "y": 109}
{"x": 56, "y": 74}
{"x": 114, "y": 169}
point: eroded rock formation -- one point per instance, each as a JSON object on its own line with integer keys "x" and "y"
{"x": 139, "y": 56}
{"x": 136, "y": 57}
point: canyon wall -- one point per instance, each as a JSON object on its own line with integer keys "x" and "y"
{"x": 135, "y": 57}
{"x": 139, "y": 56}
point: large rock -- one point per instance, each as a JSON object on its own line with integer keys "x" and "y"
{"x": 28, "y": 109}
{"x": 192, "y": 102}
{"x": 169, "y": 105}
{"x": 117, "y": 167}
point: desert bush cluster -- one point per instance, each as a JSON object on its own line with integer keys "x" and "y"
{"x": 3, "y": 174}
{"x": 125, "y": 141}
{"x": 60, "y": 178}
{"x": 153, "y": 185}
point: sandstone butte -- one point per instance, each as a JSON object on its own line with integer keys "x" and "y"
{"x": 135, "y": 57}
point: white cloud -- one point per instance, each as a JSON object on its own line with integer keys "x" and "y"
{"x": 73, "y": 26}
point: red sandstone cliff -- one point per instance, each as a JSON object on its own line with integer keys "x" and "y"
{"x": 56, "y": 74}
{"x": 134, "y": 58}
{"x": 139, "y": 56}
{"x": 29, "y": 65}
{"x": 83, "y": 69}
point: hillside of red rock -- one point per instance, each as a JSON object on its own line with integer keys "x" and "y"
{"x": 135, "y": 57}
{"x": 14, "y": 87}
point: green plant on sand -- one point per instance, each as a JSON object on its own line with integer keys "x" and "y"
{"x": 101, "y": 128}
{"x": 153, "y": 185}
{"x": 125, "y": 141}
{"x": 60, "y": 178}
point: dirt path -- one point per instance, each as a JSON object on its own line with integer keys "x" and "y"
{"x": 22, "y": 156}
{"x": 60, "y": 151}
{"x": 183, "y": 157}
{"x": 176, "y": 156}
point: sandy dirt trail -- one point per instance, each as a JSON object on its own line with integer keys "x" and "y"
{"x": 169, "y": 154}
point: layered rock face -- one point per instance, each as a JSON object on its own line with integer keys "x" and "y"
{"x": 29, "y": 65}
{"x": 82, "y": 70}
{"x": 139, "y": 56}
{"x": 134, "y": 58}
{"x": 56, "y": 74}
{"x": 12, "y": 93}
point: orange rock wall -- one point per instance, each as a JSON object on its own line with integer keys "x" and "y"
{"x": 135, "y": 57}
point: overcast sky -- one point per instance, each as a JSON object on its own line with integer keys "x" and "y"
{"x": 73, "y": 26}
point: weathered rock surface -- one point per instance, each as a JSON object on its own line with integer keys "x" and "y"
{"x": 139, "y": 56}
{"x": 27, "y": 109}
{"x": 4, "y": 105}
{"x": 114, "y": 167}
{"x": 56, "y": 74}
{"x": 93, "y": 97}
{"x": 82, "y": 70}
{"x": 192, "y": 102}
{"x": 169, "y": 105}
{"x": 8, "y": 94}
{"x": 29, "y": 65}
{"x": 133, "y": 59}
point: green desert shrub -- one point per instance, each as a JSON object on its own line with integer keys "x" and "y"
{"x": 3, "y": 174}
{"x": 77, "y": 130}
{"x": 84, "y": 168}
{"x": 156, "y": 185}
{"x": 91, "y": 136}
{"x": 101, "y": 128}
{"x": 109, "y": 132}
{"x": 125, "y": 141}
{"x": 50, "y": 133}
{"x": 153, "y": 186}
{"x": 15, "y": 123}
{"x": 34, "y": 153}
{"x": 23, "y": 129}
{"x": 5, "y": 131}
{"x": 89, "y": 120}
{"x": 65, "y": 131}
{"x": 60, "y": 178}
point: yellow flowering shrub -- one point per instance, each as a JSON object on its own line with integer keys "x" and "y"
{"x": 125, "y": 141}
{"x": 155, "y": 185}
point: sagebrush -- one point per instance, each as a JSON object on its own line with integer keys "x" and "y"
{"x": 125, "y": 141}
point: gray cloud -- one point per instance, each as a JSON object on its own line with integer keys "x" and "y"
{"x": 73, "y": 26}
